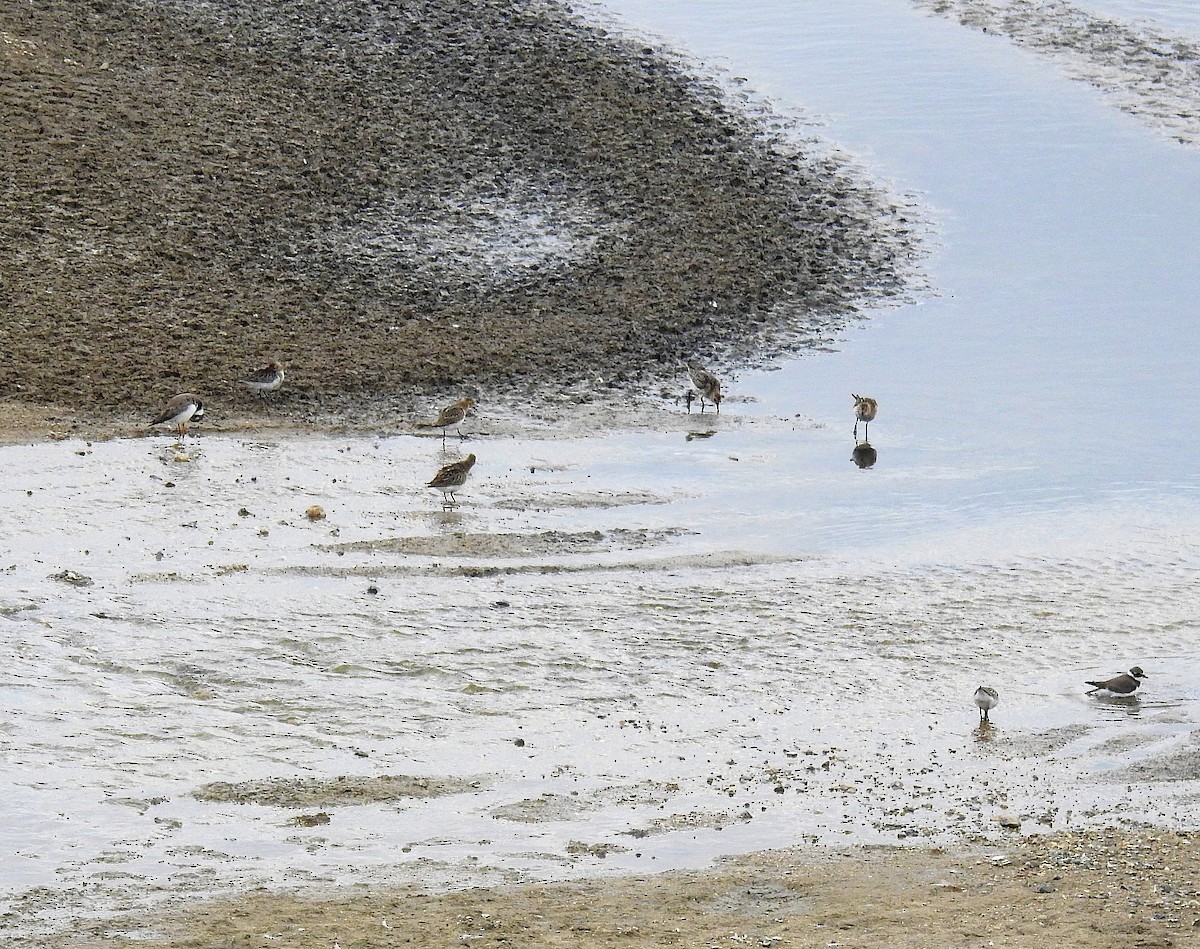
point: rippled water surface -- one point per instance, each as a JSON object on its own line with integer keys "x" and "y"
{"x": 645, "y": 650}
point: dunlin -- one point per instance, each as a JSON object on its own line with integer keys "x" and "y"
{"x": 865, "y": 410}
{"x": 452, "y": 414}
{"x": 450, "y": 477}
{"x": 708, "y": 385}
{"x": 987, "y": 699}
{"x": 264, "y": 380}
{"x": 1123, "y": 684}
{"x": 180, "y": 410}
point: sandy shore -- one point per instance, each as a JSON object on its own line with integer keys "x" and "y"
{"x": 1097, "y": 889}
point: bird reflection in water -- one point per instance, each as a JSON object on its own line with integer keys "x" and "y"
{"x": 864, "y": 455}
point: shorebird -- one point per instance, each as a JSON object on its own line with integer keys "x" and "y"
{"x": 264, "y": 380}
{"x": 987, "y": 699}
{"x": 450, "y": 477}
{"x": 708, "y": 385}
{"x": 452, "y": 414}
{"x": 180, "y": 410}
{"x": 1123, "y": 684}
{"x": 865, "y": 410}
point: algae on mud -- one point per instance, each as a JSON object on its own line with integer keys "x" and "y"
{"x": 393, "y": 199}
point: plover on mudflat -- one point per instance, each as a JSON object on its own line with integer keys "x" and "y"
{"x": 1123, "y": 684}
{"x": 264, "y": 380}
{"x": 708, "y": 385}
{"x": 865, "y": 410}
{"x": 452, "y": 414}
{"x": 987, "y": 699}
{"x": 180, "y": 410}
{"x": 450, "y": 477}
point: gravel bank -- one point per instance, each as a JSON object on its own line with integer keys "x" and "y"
{"x": 396, "y": 199}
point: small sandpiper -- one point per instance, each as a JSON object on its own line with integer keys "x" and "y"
{"x": 452, "y": 414}
{"x": 180, "y": 410}
{"x": 708, "y": 385}
{"x": 451, "y": 477}
{"x": 264, "y": 380}
{"x": 865, "y": 410}
{"x": 1123, "y": 684}
{"x": 987, "y": 699}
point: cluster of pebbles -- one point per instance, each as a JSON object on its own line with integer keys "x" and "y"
{"x": 402, "y": 197}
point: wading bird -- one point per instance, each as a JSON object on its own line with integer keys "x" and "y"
{"x": 451, "y": 477}
{"x": 987, "y": 699}
{"x": 1123, "y": 684}
{"x": 865, "y": 410}
{"x": 452, "y": 414}
{"x": 708, "y": 385}
{"x": 180, "y": 410}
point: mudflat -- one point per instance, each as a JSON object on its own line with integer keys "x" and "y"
{"x": 1088, "y": 889}
{"x": 398, "y": 201}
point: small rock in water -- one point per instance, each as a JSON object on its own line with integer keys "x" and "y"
{"x": 73, "y": 578}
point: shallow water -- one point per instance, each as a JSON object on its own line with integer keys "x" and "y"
{"x": 675, "y": 648}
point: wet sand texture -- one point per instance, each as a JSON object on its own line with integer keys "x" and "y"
{"x": 398, "y": 197}
{"x": 1095, "y": 889}
{"x": 1146, "y": 72}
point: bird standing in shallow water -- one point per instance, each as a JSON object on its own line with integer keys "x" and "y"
{"x": 450, "y": 477}
{"x": 264, "y": 380}
{"x": 865, "y": 410}
{"x": 987, "y": 699}
{"x": 1123, "y": 684}
{"x": 180, "y": 410}
{"x": 452, "y": 414}
{"x": 708, "y": 385}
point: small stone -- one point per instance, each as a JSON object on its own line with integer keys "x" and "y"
{"x": 73, "y": 578}
{"x": 315, "y": 512}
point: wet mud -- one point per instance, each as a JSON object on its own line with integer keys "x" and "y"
{"x": 332, "y": 792}
{"x": 1151, "y": 74}
{"x": 1097, "y": 889}
{"x": 400, "y": 200}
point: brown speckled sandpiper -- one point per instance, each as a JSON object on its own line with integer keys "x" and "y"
{"x": 452, "y": 414}
{"x": 451, "y": 477}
